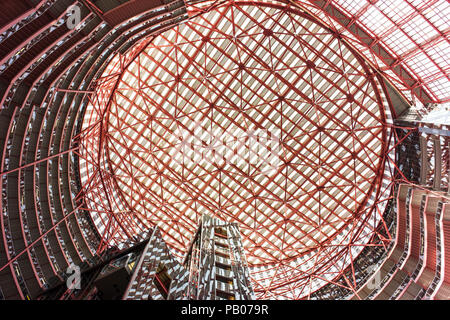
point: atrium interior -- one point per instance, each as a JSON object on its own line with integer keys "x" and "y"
{"x": 223, "y": 149}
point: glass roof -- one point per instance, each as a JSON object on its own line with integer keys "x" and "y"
{"x": 417, "y": 34}
{"x": 183, "y": 112}
{"x": 410, "y": 34}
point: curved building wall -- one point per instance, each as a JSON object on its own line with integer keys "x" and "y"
{"x": 45, "y": 228}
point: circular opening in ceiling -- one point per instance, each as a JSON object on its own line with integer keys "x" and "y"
{"x": 254, "y": 114}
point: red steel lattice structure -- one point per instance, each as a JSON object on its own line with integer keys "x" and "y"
{"x": 334, "y": 140}
{"x": 404, "y": 41}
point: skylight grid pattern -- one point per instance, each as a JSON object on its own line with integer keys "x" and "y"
{"x": 241, "y": 68}
{"x": 228, "y": 76}
{"x": 411, "y": 31}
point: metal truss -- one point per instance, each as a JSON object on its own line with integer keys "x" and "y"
{"x": 245, "y": 66}
{"x": 294, "y": 244}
